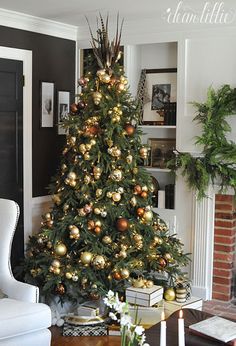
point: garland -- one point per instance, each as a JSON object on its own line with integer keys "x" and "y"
{"x": 217, "y": 161}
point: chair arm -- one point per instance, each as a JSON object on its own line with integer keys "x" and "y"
{"x": 19, "y": 290}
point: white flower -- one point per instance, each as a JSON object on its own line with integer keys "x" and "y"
{"x": 113, "y": 316}
{"x": 139, "y": 330}
{"x": 146, "y": 344}
{"x": 125, "y": 321}
{"x": 107, "y": 302}
{"x": 110, "y": 294}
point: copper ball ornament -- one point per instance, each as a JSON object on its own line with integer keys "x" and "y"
{"x": 116, "y": 276}
{"x": 140, "y": 212}
{"x": 137, "y": 189}
{"x": 144, "y": 194}
{"x": 74, "y": 108}
{"x": 81, "y": 105}
{"x": 129, "y": 129}
{"x": 122, "y": 224}
{"x": 162, "y": 262}
{"x": 60, "y": 289}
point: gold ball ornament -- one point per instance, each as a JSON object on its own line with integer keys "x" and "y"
{"x": 143, "y": 152}
{"x": 68, "y": 275}
{"x": 99, "y": 262}
{"x": 101, "y": 72}
{"x": 116, "y": 197}
{"x": 60, "y": 249}
{"x": 71, "y": 176}
{"x": 86, "y": 257}
{"x": 133, "y": 201}
{"x": 82, "y": 148}
{"x": 124, "y": 273}
{"x": 147, "y": 216}
{"x": 149, "y": 284}
{"x": 105, "y": 78}
{"x": 138, "y": 283}
{"x": 97, "y": 211}
{"x": 87, "y": 156}
{"x": 98, "y": 192}
{"x": 107, "y": 240}
{"x": 56, "y": 264}
{"x": 169, "y": 294}
{"x": 87, "y": 179}
{"x": 120, "y": 87}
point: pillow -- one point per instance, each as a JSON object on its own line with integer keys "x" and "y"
{"x": 2, "y": 295}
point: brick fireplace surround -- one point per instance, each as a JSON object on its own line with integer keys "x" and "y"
{"x": 224, "y": 258}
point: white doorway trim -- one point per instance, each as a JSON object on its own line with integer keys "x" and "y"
{"x": 26, "y": 57}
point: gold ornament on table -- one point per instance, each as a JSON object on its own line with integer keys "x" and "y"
{"x": 60, "y": 249}
{"x": 86, "y": 257}
{"x": 98, "y": 262}
{"x": 169, "y": 294}
{"x": 142, "y": 283}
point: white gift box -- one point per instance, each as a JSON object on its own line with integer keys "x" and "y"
{"x": 144, "y": 296}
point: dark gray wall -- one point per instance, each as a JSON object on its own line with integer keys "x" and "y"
{"x": 53, "y": 60}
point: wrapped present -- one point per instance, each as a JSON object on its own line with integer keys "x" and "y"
{"x": 85, "y": 330}
{"x": 144, "y": 296}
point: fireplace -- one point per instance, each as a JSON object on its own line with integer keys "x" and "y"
{"x": 224, "y": 259}
{"x": 213, "y": 268}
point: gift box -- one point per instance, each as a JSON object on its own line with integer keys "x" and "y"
{"x": 85, "y": 330}
{"x": 144, "y": 296}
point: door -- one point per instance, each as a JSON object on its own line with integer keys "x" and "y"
{"x": 11, "y": 144}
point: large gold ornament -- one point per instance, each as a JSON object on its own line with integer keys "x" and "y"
{"x": 124, "y": 273}
{"x": 60, "y": 249}
{"x": 147, "y": 216}
{"x": 116, "y": 196}
{"x": 86, "y": 257}
{"x": 97, "y": 171}
{"x": 169, "y": 294}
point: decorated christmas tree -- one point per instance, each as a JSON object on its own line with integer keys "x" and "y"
{"x": 101, "y": 232}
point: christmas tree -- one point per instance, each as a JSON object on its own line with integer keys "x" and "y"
{"x": 101, "y": 232}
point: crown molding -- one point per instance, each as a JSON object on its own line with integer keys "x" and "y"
{"x": 23, "y": 21}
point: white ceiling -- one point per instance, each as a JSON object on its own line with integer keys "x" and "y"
{"x": 74, "y": 11}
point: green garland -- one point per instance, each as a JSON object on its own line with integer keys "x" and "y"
{"x": 217, "y": 161}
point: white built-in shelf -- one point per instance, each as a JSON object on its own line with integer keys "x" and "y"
{"x": 155, "y": 169}
{"x": 158, "y": 126}
{"x": 169, "y": 211}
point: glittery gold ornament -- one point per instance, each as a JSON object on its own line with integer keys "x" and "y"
{"x": 87, "y": 156}
{"x": 82, "y": 148}
{"x": 149, "y": 284}
{"x": 99, "y": 262}
{"x": 109, "y": 194}
{"x": 86, "y": 257}
{"x": 120, "y": 87}
{"x": 133, "y": 201}
{"x": 97, "y": 96}
{"x": 138, "y": 283}
{"x": 60, "y": 249}
{"x": 98, "y": 192}
{"x": 143, "y": 152}
{"x": 71, "y": 176}
{"x": 107, "y": 240}
{"x": 105, "y": 78}
{"x": 116, "y": 175}
{"x": 97, "y": 171}
{"x": 74, "y": 232}
{"x": 129, "y": 159}
{"x": 87, "y": 179}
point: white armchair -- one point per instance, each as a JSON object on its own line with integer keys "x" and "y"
{"x": 23, "y": 321}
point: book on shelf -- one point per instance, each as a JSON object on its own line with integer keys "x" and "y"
{"x": 216, "y": 328}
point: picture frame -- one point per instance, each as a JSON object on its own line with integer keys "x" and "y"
{"x": 161, "y": 150}
{"x": 46, "y": 103}
{"x": 63, "y": 109}
{"x": 160, "y": 91}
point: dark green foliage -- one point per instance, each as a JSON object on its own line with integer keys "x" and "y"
{"x": 217, "y": 161}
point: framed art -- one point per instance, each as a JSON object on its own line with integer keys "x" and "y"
{"x": 160, "y": 90}
{"x": 161, "y": 150}
{"x": 47, "y": 104}
{"x": 62, "y": 109}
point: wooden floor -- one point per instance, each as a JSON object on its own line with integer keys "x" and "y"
{"x": 59, "y": 340}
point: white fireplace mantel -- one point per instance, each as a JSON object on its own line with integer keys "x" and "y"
{"x": 203, "y": 243}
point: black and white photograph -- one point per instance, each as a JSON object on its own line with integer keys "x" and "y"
{"x": 47, "y": 104}
{"x": 160, "y": 95}
{"x": 63, "y": 109}
{"x": 160, "y": 90}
